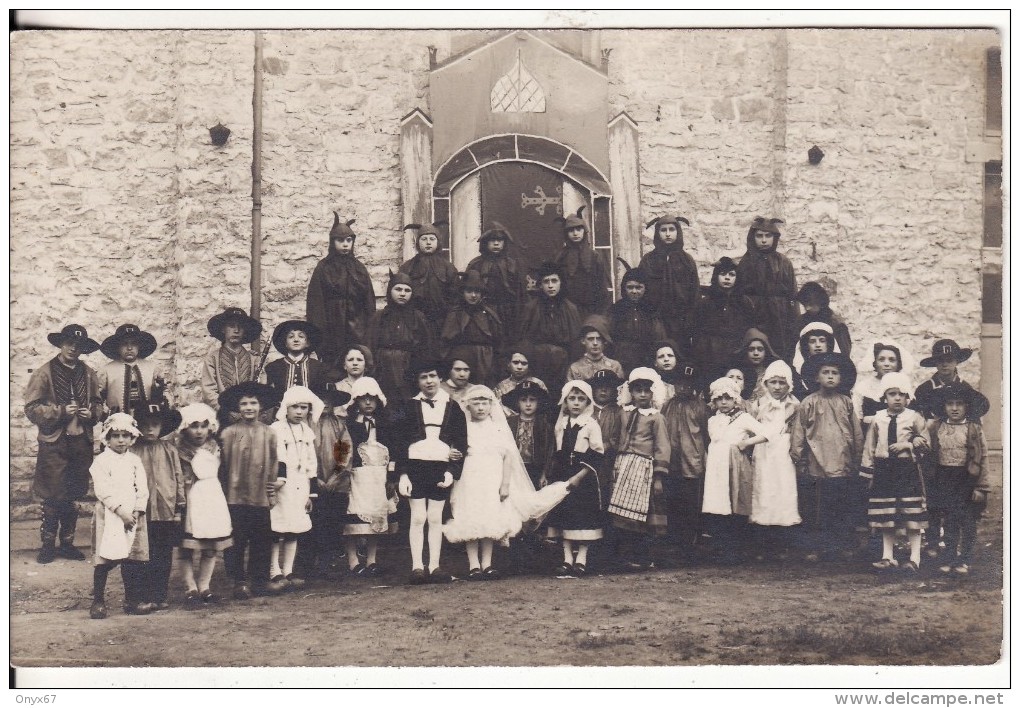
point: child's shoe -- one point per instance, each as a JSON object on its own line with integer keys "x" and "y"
{"x": 886, "y": 564}
{"x": 475, "y": 574}
{"x": 98, "y": 610}
{"x": 47, "y": 554}
{"x": 294, "y": 582}
{"x": 439, "y": 577}
{"x": 491, "y": 573}
{"x": 66, "y": 550}
{"x": 580, "y": 570}
{"x": 563, "y": 569}
{"x": 139, "y": 608}
{"x": 374, "y": 570}
{"x": 242, "y": 592}
{"x": 277, "y": 585}
{"x": 191, "y": 599}
{"x": 418, "y": 577}
{"x": 360, "y": 570}
{"x": 911, "y": 568}
{"x": 208, "y": 596}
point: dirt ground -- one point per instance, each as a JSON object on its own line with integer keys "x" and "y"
{"x": 760, "y": 613}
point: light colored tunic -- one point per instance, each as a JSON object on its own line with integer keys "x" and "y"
{"x": 119, "y": 482}
{"x": 774, "y": 497}
{"x": 295, "y": 447}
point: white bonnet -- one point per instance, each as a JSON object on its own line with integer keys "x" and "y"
{"x": 300, "y": 394}
{"x": 120, "y": 422}
{"x": 724, "y": 385}
{"x": 198, "y": 413}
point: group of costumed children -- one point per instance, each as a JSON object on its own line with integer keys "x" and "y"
{"x": 729, "y": 425}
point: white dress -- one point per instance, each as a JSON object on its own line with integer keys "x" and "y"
{"x": 208, "y": 516}
{"x": 474, "y": 501}
{"x": 295, "y": 447}
{"x": 726, "y": 485}
{"x": 774, "y": 499}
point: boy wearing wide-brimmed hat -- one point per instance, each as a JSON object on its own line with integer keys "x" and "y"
{"x": 130, "y": 379}
{"x": 946, "y": 356}
{"x": 167, "y": 498}
{"x": 230, "y": 363}
{"x": 63, "y": 399}
{"x": 296, "y": 340}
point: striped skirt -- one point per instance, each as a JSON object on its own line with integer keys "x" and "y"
{"x": 897, "y": 498}
{"x": 633, "y": 506}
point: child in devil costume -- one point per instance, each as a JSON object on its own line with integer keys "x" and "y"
{"x": 585, "y": 278}
{"x": 767, "y": 277}
{"x": 503, "y": 279}
{"x": 672, "y": 278}
{"x": 433, "y": 277}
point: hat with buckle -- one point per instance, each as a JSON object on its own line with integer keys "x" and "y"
{"x": 814, "y": 363}
{"x": 605, "y": 377}
{"x": 78, "y": 334}
{"x": 127, "y": 332}
{"x": 527, "y": 388}
{"x": 332, "y": 396}
{"x": 169, "y": 419}
{"x": 943, "y": 349}
{"x": 252, "y": 327}
{"x": 267, "y": 395}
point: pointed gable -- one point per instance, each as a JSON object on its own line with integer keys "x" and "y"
{"x": 519, "y": 84}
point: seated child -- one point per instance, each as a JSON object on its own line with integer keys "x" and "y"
{"x": 686, "y": 415}
{"x": 249, "y": 472}
{"x": 371, "y": 512}
{"x": 896, "y": 498}
{"x": 637, "y": 506}
{"x": 130, "y": 379}
{"x": 825, "y": 447}
{"x": 729, "y": 474}
{"x": 297, "y": 483}
{"x": 118, "y": 522}
{"x": 959, "y": 484}
{"x": 207, "y": 519}
{"x": 167, "y": 498}
{"x": 594, "y": 340}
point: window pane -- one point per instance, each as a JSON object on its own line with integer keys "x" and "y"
{"x": 993, "y": 91}
{"x": 991, "y": 298}
{"x": 993, "y": 205}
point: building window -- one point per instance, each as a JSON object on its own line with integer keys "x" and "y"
{"x": 993, "y": 205}
{"x": 991, "y": 298}
{"x": 993, "y": 92}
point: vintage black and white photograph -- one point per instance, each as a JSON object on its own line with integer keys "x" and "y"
{"x": 578, "y": 343}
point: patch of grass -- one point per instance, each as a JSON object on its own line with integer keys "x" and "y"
{"x": 622, "y": 610}
{"x": 423, "y": 615}
{"x": 600, "y": 639}
{"x": 861, "y": 638}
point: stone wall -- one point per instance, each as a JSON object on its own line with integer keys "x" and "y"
{"x": 890, "y": 219}
{"x": 123, "y": 211}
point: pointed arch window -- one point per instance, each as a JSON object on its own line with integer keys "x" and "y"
{"x": 517, "y": 91}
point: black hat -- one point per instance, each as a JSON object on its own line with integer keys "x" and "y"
{"x": 424, "y": 364}
{"x": 524, "y": 348}
{"x": 267, "y": 395}
{"x": 635, "y": 274}
{"x": 332, "y": 396}
{"x": 313, "y": 333}
{"x": 168, "y": 417}
{"x": 574, "y": 220}
{"x": 527, "y": 388}
{"x": 946, "y": 348}
{"x": 77, "y": 333}
{"x": 146, "y": 342}
{"x": 549, "y": 268}
{"x": 977, "y": 402}
{"x": 847, "y": 370}
{"x": 605, "y": 377}
{"x": 472, "y": 280}
{"x": 252, "y": 327}
{"x": 497, "y": 231}
{"x": 341, "y": 229}
{"x": 813, "y": 291}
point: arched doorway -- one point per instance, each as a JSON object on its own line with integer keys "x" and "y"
{"x": 524, "y": 182}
